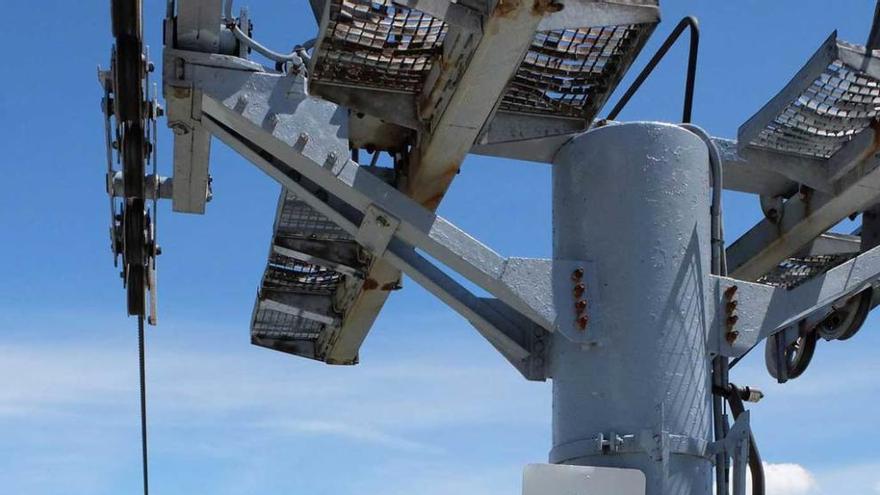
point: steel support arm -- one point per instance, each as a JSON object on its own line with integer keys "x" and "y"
{"x": 752, "y": 171}
{"x": 463, "y": 91}
{"x": 245, "y": 103}
{"x": 807, "y": 216}
{"x": 759, "y": 311}
{"x": 520, "y": 341}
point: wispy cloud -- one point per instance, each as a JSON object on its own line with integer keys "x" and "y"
{"x": 789, "y": 479}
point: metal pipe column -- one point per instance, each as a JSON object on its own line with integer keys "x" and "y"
{"x": 632, "y": 388}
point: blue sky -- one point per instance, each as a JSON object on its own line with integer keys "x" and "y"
{"x": 431, "y": 409}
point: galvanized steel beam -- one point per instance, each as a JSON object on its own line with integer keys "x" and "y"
{"x": 514, "y": 336}
{"x": 579, "y": 13}
{"x": 198, "y": 25}
{"x": 763, "y": 310}
{"x": 805, "y": 217}
{"x": 463, "y": 91}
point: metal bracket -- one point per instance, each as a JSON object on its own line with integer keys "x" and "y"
{"x": 376, "y": 230}
{"x": 657, "y": 445}
{"x": 762, "y": 310}
{"x": 736, "y": 444}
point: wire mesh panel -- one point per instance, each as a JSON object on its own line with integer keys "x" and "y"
{"x": 826, "y": 104}
{"x": 297, "y": 219}
{"x": 795, "y": 271}
{"x": 283, "y": 273}
{"x": 299, "y": 281}
{"x": 571, "y": 72}
{"x": 269, "y": 323}
{"x": 376, "y": 43}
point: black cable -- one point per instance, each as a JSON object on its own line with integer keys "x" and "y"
{"x": 688, "y": 22}
{"x": 874, "y": 36}
{"x": 143, "y": 379}
{"x": 756, "y": 466}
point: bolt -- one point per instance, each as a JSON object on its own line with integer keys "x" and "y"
{"x": 730, "y": 291}
{"x": 382, "y": 221}
{"x": 579, "y": 290}
{"x": 301, "y": 141}
{"x": 730, "y": 306}
{"x": 577, "y": 274}
{"x": 731, "y": 320}
{"x": 580, "y": 306}
{"x": 731, "y": 336}
{"x": 582, "y": 322}
{"x": 178, "y": 128}
{"x": 241, "y": 103}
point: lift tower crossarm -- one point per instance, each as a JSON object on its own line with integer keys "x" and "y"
{"x": 483, "y": 63}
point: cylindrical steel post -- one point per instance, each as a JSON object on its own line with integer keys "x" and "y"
{"x": 631, "y": 374}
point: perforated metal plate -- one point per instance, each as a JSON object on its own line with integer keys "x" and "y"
{"x": 375, "y": 43}
{"x": 827, "y": 103}
{"x": 571, "y": 72}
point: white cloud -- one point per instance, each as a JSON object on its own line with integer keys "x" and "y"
{"x": 789, "y": 479}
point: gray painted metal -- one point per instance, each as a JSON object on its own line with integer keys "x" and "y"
{"x": 631, "y": 388}
{"x": 322, "y": 158}
{"x": 198, "y": 25}
{"x": 633, "y": 200}
{"x": 756, "y": 171}
{"x": 764, "y": 310}
{"x": 577, "y": 14}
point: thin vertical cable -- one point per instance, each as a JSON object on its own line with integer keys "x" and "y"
{"x": 143, "y": 382}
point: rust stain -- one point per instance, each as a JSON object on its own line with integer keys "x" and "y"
{"x": 505, "y": 7}
{"x": 875, "y": 126}
{"x": 370, "y": 284}
{"x": 544, "y": 7}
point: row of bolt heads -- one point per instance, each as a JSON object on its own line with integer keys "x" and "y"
{"x": 583, "y": 319}
{"x": 730, "y": 314}
{"x": 580, "y": 304}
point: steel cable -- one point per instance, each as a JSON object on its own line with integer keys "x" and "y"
{"x": 143, "y": 394}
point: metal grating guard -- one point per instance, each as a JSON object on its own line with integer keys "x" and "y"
{"x": 795, "y": 271}
{"x": 826, "y": 104}
{"x": 271, "y": 326}
{"x": 571, "y": 72}
{"x": 376, "y": 43}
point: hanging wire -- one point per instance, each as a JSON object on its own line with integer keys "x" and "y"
{"x": 143, "y": 386}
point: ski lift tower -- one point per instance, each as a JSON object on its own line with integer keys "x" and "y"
{"x": 641, "y": 309}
